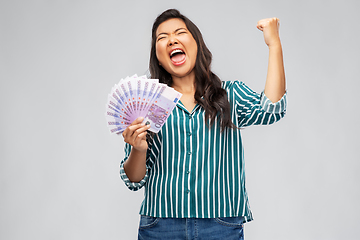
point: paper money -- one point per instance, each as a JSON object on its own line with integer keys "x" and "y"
{"x": 135, "y": 97}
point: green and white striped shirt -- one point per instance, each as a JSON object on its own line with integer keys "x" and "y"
{"x": 194, "y": 171}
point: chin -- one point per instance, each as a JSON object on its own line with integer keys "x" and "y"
{"x": 180, "y": 73}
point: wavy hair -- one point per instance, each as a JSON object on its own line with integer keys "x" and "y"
{"x": 208, "y": 91}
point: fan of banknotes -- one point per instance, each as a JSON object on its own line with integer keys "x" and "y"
{"x": 135, "y": 97}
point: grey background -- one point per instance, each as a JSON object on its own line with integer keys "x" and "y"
{"x": 59, "y": 165}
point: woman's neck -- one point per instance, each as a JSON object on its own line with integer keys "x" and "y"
{"x": 184, "y": 85}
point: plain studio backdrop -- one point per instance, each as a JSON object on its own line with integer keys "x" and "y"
{"x": 59, "y": 169}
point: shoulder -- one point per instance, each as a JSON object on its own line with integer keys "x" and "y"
{"x": 240, "y": 92}
{"x": 235, "y": 85}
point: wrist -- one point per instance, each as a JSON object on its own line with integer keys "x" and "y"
{"x": 139, "y": 151}
{"x": 275, "y": 45}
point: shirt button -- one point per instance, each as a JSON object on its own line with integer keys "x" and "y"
{"x": 188, "y": 191}
{"x": 189, "y": 133}
{"x": 188, "y": 171}
{"x": 189, "y": 153}
{"x": 189, "y": 117}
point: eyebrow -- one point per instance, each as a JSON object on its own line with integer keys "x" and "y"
{"x": 174, "y": 32}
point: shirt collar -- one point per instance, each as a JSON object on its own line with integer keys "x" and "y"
{"x": 181, "y": 106}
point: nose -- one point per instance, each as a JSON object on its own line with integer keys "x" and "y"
{"x": 172, "y": 41}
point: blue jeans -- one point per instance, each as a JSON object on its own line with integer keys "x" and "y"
{"x": 229, "y": 228}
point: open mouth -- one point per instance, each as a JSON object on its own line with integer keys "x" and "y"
{"x": 177, "y": 56}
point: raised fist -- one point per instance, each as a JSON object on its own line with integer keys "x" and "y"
{"x": 270, "y": 28}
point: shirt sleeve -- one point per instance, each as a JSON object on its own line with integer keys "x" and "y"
{"x": 256, "y": 109}
{"x": 151, "y": 154}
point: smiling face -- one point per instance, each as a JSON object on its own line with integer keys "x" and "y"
{"x": 176, "y": 49}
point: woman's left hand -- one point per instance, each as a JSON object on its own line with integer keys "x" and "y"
{"x": 270, "y": 28}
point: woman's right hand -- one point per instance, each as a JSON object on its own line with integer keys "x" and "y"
{"x": 135, "y": 135}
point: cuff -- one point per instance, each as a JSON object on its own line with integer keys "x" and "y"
{"x": 134, "y": 186}
{"x": 270, "y": 107}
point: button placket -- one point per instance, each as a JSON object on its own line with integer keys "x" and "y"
{"x": 189, "y": 152}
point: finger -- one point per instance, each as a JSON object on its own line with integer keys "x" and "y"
{"x": 129, "y": 131}
{"x": 133, "y": 126}
{"x": 278, "y": 22}
{"x": 142, "y": 129}
{"x": 262, "y": 24}
{"x": 137, "y": 132}
{"x": 268, "y": 23}
{"x": 139, "y": 138}
{"x": 137, "y": 121}
{"x": 274, "y": 21}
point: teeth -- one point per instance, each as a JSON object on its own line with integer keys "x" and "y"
{"x": 176, "y": 51}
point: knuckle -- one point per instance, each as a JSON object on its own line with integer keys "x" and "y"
{"x": 139, "y": 131}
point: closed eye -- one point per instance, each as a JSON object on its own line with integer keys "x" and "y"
{"x": 180, "y": 30}
{"x": 159, "y": 38}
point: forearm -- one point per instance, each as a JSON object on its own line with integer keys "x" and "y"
{"x": 135, "y": 135}
{"x": 135, "y": 165}
{"x": 275, "y": 80}
{"x": 275, "y": 86}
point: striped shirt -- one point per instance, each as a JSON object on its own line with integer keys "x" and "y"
{"x": 195, "y": 171}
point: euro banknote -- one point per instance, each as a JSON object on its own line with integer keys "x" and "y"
{"x": 138, "y": 96}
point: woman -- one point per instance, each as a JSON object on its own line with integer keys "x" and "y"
{"x": 193, "y": 169}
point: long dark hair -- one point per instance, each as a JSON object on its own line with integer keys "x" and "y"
{"x": 207, "y": 84}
